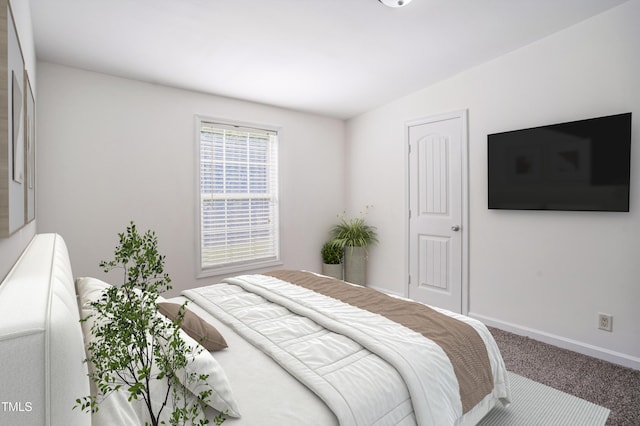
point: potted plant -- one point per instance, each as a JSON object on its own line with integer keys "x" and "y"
{"x": 133, "y": 346}
{"x": 332, "y": 255}
{"x": 354, "y": 236}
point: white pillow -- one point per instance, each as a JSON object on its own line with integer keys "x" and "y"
{"x": 89, "y": 290}
{"x": 222, "y": 399}
{"x": 203, "y": 362}
{"x": 115, "y": 409}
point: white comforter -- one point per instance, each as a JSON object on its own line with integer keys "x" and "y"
{"x": 344, "y": 353}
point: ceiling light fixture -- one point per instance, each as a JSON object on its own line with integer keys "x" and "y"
{"x": 395, "y": 3}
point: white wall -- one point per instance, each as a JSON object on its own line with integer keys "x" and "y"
{"x": 111, "y": 150}
{"x": 12, "y": 247}
{"x": 546, "y": 274}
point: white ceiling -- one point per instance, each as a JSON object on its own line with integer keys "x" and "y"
{"x": 333, "y": 57}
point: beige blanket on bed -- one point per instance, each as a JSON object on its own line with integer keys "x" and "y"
{"x": 462, "y": 344}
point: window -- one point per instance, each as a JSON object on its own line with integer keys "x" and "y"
{"x": 238, "y": 197}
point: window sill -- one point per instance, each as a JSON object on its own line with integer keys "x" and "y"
{"x": 235, "y": 269}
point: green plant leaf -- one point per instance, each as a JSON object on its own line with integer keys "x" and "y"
{"x": 354, "y": 232}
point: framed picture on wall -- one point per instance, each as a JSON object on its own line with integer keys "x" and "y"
{"x": 13, "y": 159}
{"x": 30, "y": 150}
{"x": 17, "y": 118}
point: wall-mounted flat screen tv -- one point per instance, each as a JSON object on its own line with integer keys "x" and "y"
{"x": 580, "y": 165}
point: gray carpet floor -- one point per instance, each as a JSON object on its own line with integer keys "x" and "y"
{"x": 612, "y": 386}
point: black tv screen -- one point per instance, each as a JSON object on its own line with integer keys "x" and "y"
{"x": 580, "y": 165}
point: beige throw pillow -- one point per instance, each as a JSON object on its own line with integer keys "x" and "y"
{"x": 200, "y": 330}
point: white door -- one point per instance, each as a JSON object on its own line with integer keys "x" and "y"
{"x": 437, "y": 211}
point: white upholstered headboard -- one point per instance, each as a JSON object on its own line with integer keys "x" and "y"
{"x": 42, "y": 368}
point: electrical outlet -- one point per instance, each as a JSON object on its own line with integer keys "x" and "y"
{"x": 605, "y": 322}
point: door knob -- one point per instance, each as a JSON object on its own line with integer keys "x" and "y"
{"x": 455, "y": 228}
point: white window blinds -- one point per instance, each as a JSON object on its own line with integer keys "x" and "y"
{"x": 238, "y": 195}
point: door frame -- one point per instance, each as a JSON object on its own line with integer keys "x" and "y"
{"x": 462, "y": 114}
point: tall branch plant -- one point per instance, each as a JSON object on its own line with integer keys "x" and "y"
{"x": 133, "y": 345}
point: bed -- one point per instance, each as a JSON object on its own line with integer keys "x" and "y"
{"x": 41, "y": 345}
{"x": 299, "y": 351}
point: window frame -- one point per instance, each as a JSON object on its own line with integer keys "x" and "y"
{"x": 229, "y": 268}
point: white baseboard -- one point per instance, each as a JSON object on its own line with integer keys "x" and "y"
{"x": 562, "y": 342}
{"x": 384, "y": 290}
